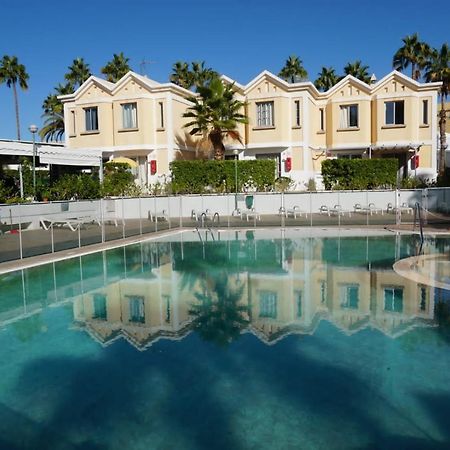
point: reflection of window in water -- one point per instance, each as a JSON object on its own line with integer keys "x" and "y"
{"x": 268, "y": 304}
{"x": 393, "y": 299}
{"x": 423, "y": 298}
{"x": 323, "y": 291}
{"x": 298, "y": 301}
{"x": 99, "y": 302}
{"x": 349, "y": 296}
{"x": 167, "y": 299}
{"x": 137, "y": 313}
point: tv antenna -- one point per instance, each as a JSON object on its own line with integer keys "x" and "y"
{"x": 143, "y": 66}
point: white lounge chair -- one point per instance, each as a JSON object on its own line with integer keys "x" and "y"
{"x": 250, "y": 214}
{"x": 338, "y": 210}
{"x": 73, "y": 223}
{"x": 158, "y": 215}
{"x": 198, "y": 214}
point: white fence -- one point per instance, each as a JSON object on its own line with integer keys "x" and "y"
{"x": 36, "y": 228}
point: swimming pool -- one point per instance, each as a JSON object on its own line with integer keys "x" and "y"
{"x": 262, "y": 339}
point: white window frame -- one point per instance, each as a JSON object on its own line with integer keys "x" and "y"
{"x": 268, "y": 304}
{"x": 90, "y": 119}
{"x": 129, "y": 115}
{"x": 394, "y": 113}
{"x": 265, "y": 114}
{"x": 345, "y": 297}
{"x": 345, "y": 116}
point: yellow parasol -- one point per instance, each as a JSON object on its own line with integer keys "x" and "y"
{"x": 123, "y": 160}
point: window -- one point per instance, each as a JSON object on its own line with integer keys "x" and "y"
{"x": 129, "y": 116}
{"x": 322, "y": 120}
{"x": 99, "y": 302}
{"x": 349, "y": 296}
{"x": 423, "y": 298}
{"x": 167, "y": 299}
{"x": 296, "y": 113}
{"x": 395, "y": 113}
{"x": 161, "y": 115}
{"x": 72, "y": 121}
{"x": 298, "y": 300}
{"x": 393, "y": 299}
{"x": 323, "y": 291}
{"x": 91, "y": 118}
{"x": 264, "y": 113}
{"x": 137, "y": 313}
{"x": 348, "y": 117}
{"x": 268, "y": 304}
{"x": 424, "y": 112}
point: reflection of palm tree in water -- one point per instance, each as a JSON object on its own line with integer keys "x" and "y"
{"x": 218, "y": 316}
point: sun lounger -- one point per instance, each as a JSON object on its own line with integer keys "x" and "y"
{"x": 293, "y": 212}
{"x": 250, "y": 214}
{"x": 370, "y": 208}
{"x": 159, "y": 215}
{"x": 72, "y": 222}
{"x": 338, "y": 210}
{"x": 198, "y": 214}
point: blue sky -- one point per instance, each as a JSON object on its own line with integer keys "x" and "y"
{"x": 237, "y": 38}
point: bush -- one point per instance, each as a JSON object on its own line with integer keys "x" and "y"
{"x": 200, "y": 176}
{"x": 83, "y": 186}
{"x": 118, "y": 181}
{"x": 359, "y": 173}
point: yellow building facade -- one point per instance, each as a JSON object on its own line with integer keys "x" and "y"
{"x": 294, "y": 124}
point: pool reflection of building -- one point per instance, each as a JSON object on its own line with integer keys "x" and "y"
{"x": 299, "y": 291}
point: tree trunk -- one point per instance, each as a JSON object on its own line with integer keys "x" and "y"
{"x": 219, "y": 149}
{"x": 442, "y": 137}
{"x": 16, "y": 104}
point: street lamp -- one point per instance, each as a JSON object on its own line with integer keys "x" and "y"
{"x": 235, "y": 153}
{"x": 33, "y": 129}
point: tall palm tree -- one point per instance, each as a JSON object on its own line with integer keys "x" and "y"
{"x": 197, "y": 75}
{"x": 215, "y": 113}
{"x": 293, "y": 70}
{"x": 200, "y": 74}
{"x": 438, "y": 70}
{"x": 53, "y": 129}
{"x": 414, "y": 53}
{"x": 327, "y": 79}
{"x": 357, "y": 70}
{"x": 181, "y": 74}
{"x": 13, "y": 73}
{"x": 78, "y": 73}
{"x": 116, "y": 68}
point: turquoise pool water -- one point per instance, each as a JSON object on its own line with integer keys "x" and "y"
{"x": 256, "y": 341}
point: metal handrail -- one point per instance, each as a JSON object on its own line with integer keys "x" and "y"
{"x": 418, "y": 217}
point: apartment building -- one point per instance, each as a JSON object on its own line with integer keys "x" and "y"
{"x": 294, "y": 124}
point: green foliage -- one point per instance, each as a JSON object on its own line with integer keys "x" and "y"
{"x": 119, "y": 181}
{"x": 283, "y": 184}
{"x": 72, "y": 186}
{"x": 311, "y": 186}
{"x": 359, "y": 173}
{"x": 415, "y": 183}
{"x": 200, "y": 176}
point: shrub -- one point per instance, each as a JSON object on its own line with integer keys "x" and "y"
{"x": 359, "y": 173}
{"x": 200, "y": 176}
{"x": 83, "y": 186}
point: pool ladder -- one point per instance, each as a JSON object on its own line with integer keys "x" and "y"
{"x": 207, "y": 229}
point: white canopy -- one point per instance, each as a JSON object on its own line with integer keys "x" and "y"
{"x": 51, "y": 153}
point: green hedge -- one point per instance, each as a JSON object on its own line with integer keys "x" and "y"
{"x": 359, "y": 173}
{"x": 200, "y": 176}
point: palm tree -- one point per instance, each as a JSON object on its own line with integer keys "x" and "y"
{"x": 327, "y": 79}
{"x": 215, "y": 114}
{"x": 181, "y": 75}
{"x": 78, "y": 73}
{"x": 438, "y": 70}
{"x": 201, "y": 75}
{"x": 357, "y": 70}
{"x": 414, "y": 53}
{"x": 293, "y": 70}
{"x": 197, "y": 75}
{"x": 13, "y": 73}
{"x": 116, "y": 68}
{"x": 53, "y": 129}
